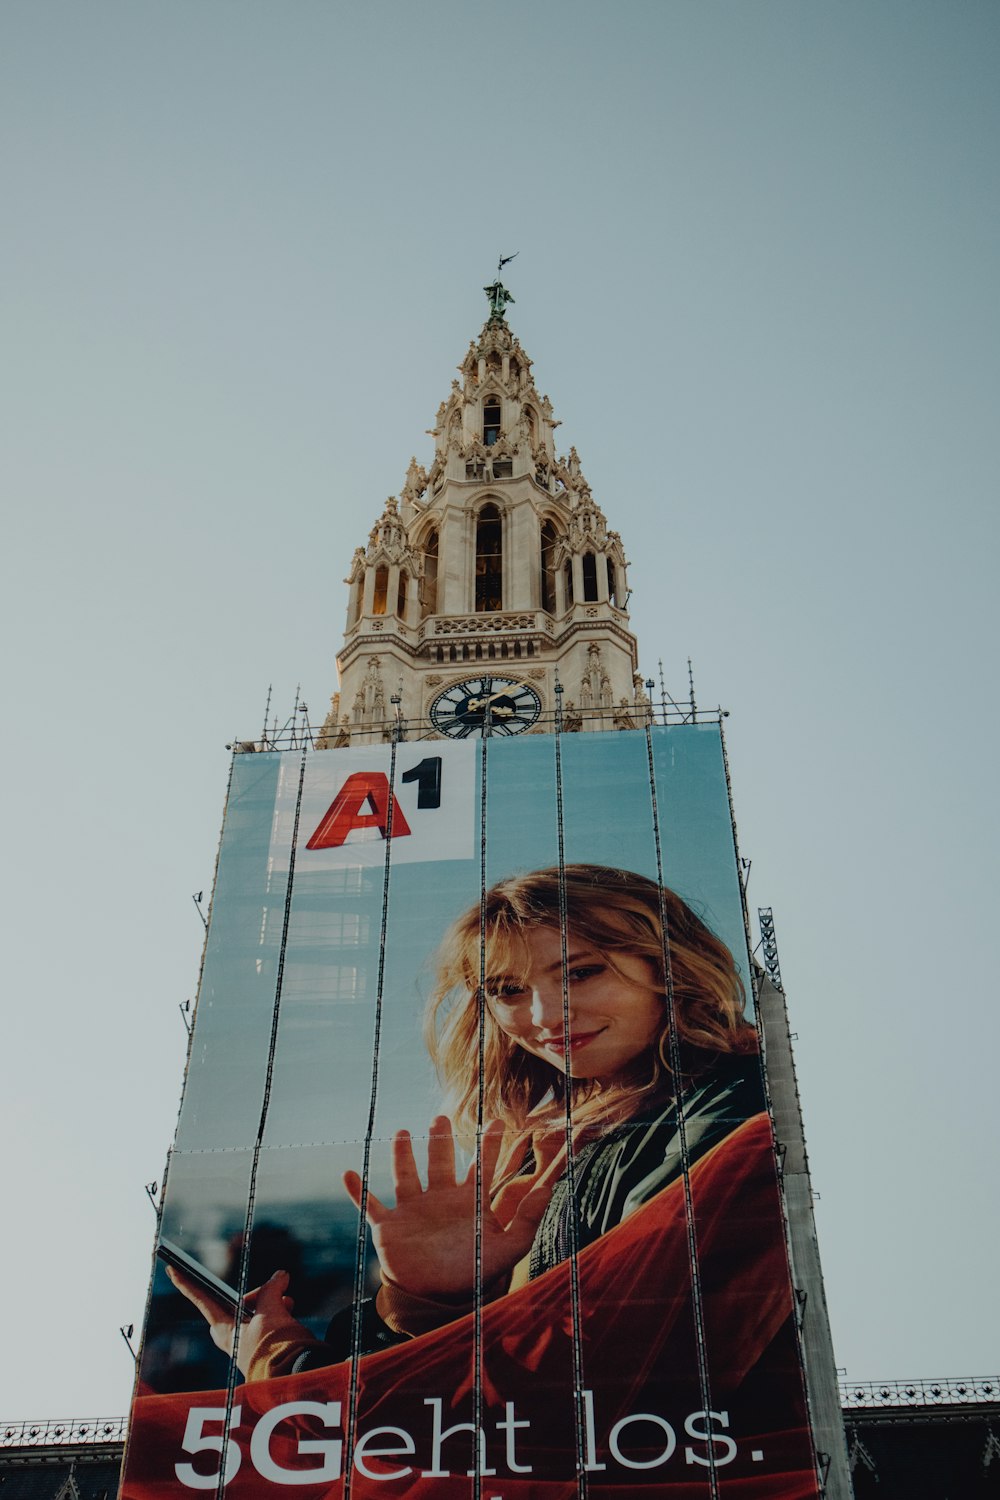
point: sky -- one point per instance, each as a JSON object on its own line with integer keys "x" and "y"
{"x": 244, "y": 249}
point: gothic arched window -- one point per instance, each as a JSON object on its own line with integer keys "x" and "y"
{"x": 381, "y": 590}
{"x": 612, "y": 583}
{"x": 568, "y": 580}
{"x": 491, "y": 420}
{"x": 428, "y": 605}
{"x": 489, "y": 560}
{"x": 589, "y": 578}
{"x": 548, "y": 567}
{"x": 401, "y": 595}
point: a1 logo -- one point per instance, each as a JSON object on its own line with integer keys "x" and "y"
{"x": 427, "y": 811}
{"x": 366, "y": 801}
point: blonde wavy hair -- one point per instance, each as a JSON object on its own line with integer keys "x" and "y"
{"x": 613, "y": 911}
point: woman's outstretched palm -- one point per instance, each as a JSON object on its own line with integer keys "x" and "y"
{"x": 426, "y": 1244}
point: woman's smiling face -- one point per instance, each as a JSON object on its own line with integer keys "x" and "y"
{"x": 615, "y": 1013}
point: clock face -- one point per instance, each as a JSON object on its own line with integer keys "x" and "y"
{"x": 462, "y": 709}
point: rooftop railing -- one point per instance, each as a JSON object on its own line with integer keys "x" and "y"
{"x": 63, "y": 1431}
{"x": 865, "y": 1395}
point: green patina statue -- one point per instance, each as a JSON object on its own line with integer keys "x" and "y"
{"x": 497, "y": 294}
{"x": 498, "y": 297}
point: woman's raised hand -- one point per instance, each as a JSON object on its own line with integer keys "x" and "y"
{"x": 426, "y": 1244}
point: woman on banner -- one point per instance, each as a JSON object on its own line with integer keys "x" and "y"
{"x": 656, "y": 1087}
{"x": 614, "y": 1064}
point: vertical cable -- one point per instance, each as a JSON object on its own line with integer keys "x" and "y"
{"x": 477, "y": 1287}
{"x": 241, "y": 1282}
{"x": 697, "y": 1304}
{"x": 582, "y": 1480}
{"x": 362, "y": 1240}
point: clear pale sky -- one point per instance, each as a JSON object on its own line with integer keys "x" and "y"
{"x": 244, "y": 246}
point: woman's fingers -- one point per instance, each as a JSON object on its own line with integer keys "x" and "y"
{"x": 211, "y": 1310}
{"x": 269, "y": 1299}
{"x": 441, "y": 1173}
{"x": 375, "y": 1211}
{"x": 405, "y": 1177}
{"x": 440, "y": 1154}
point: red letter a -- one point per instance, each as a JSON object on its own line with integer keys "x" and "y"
{"x": 344, "y": 812}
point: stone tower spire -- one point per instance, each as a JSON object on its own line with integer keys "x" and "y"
{"x": 495, "y": 563}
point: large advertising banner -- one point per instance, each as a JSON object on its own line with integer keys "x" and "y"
{"x": 474, "y": 1188}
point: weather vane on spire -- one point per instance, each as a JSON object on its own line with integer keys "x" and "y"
{"x": 497, "y": 294}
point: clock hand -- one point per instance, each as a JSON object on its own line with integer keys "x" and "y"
{"x": 476, "y": 705}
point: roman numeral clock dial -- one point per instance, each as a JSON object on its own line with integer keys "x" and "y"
{"x": 509, "y": 706}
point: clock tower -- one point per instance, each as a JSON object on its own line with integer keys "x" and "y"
{"x": 491, "y": 579}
